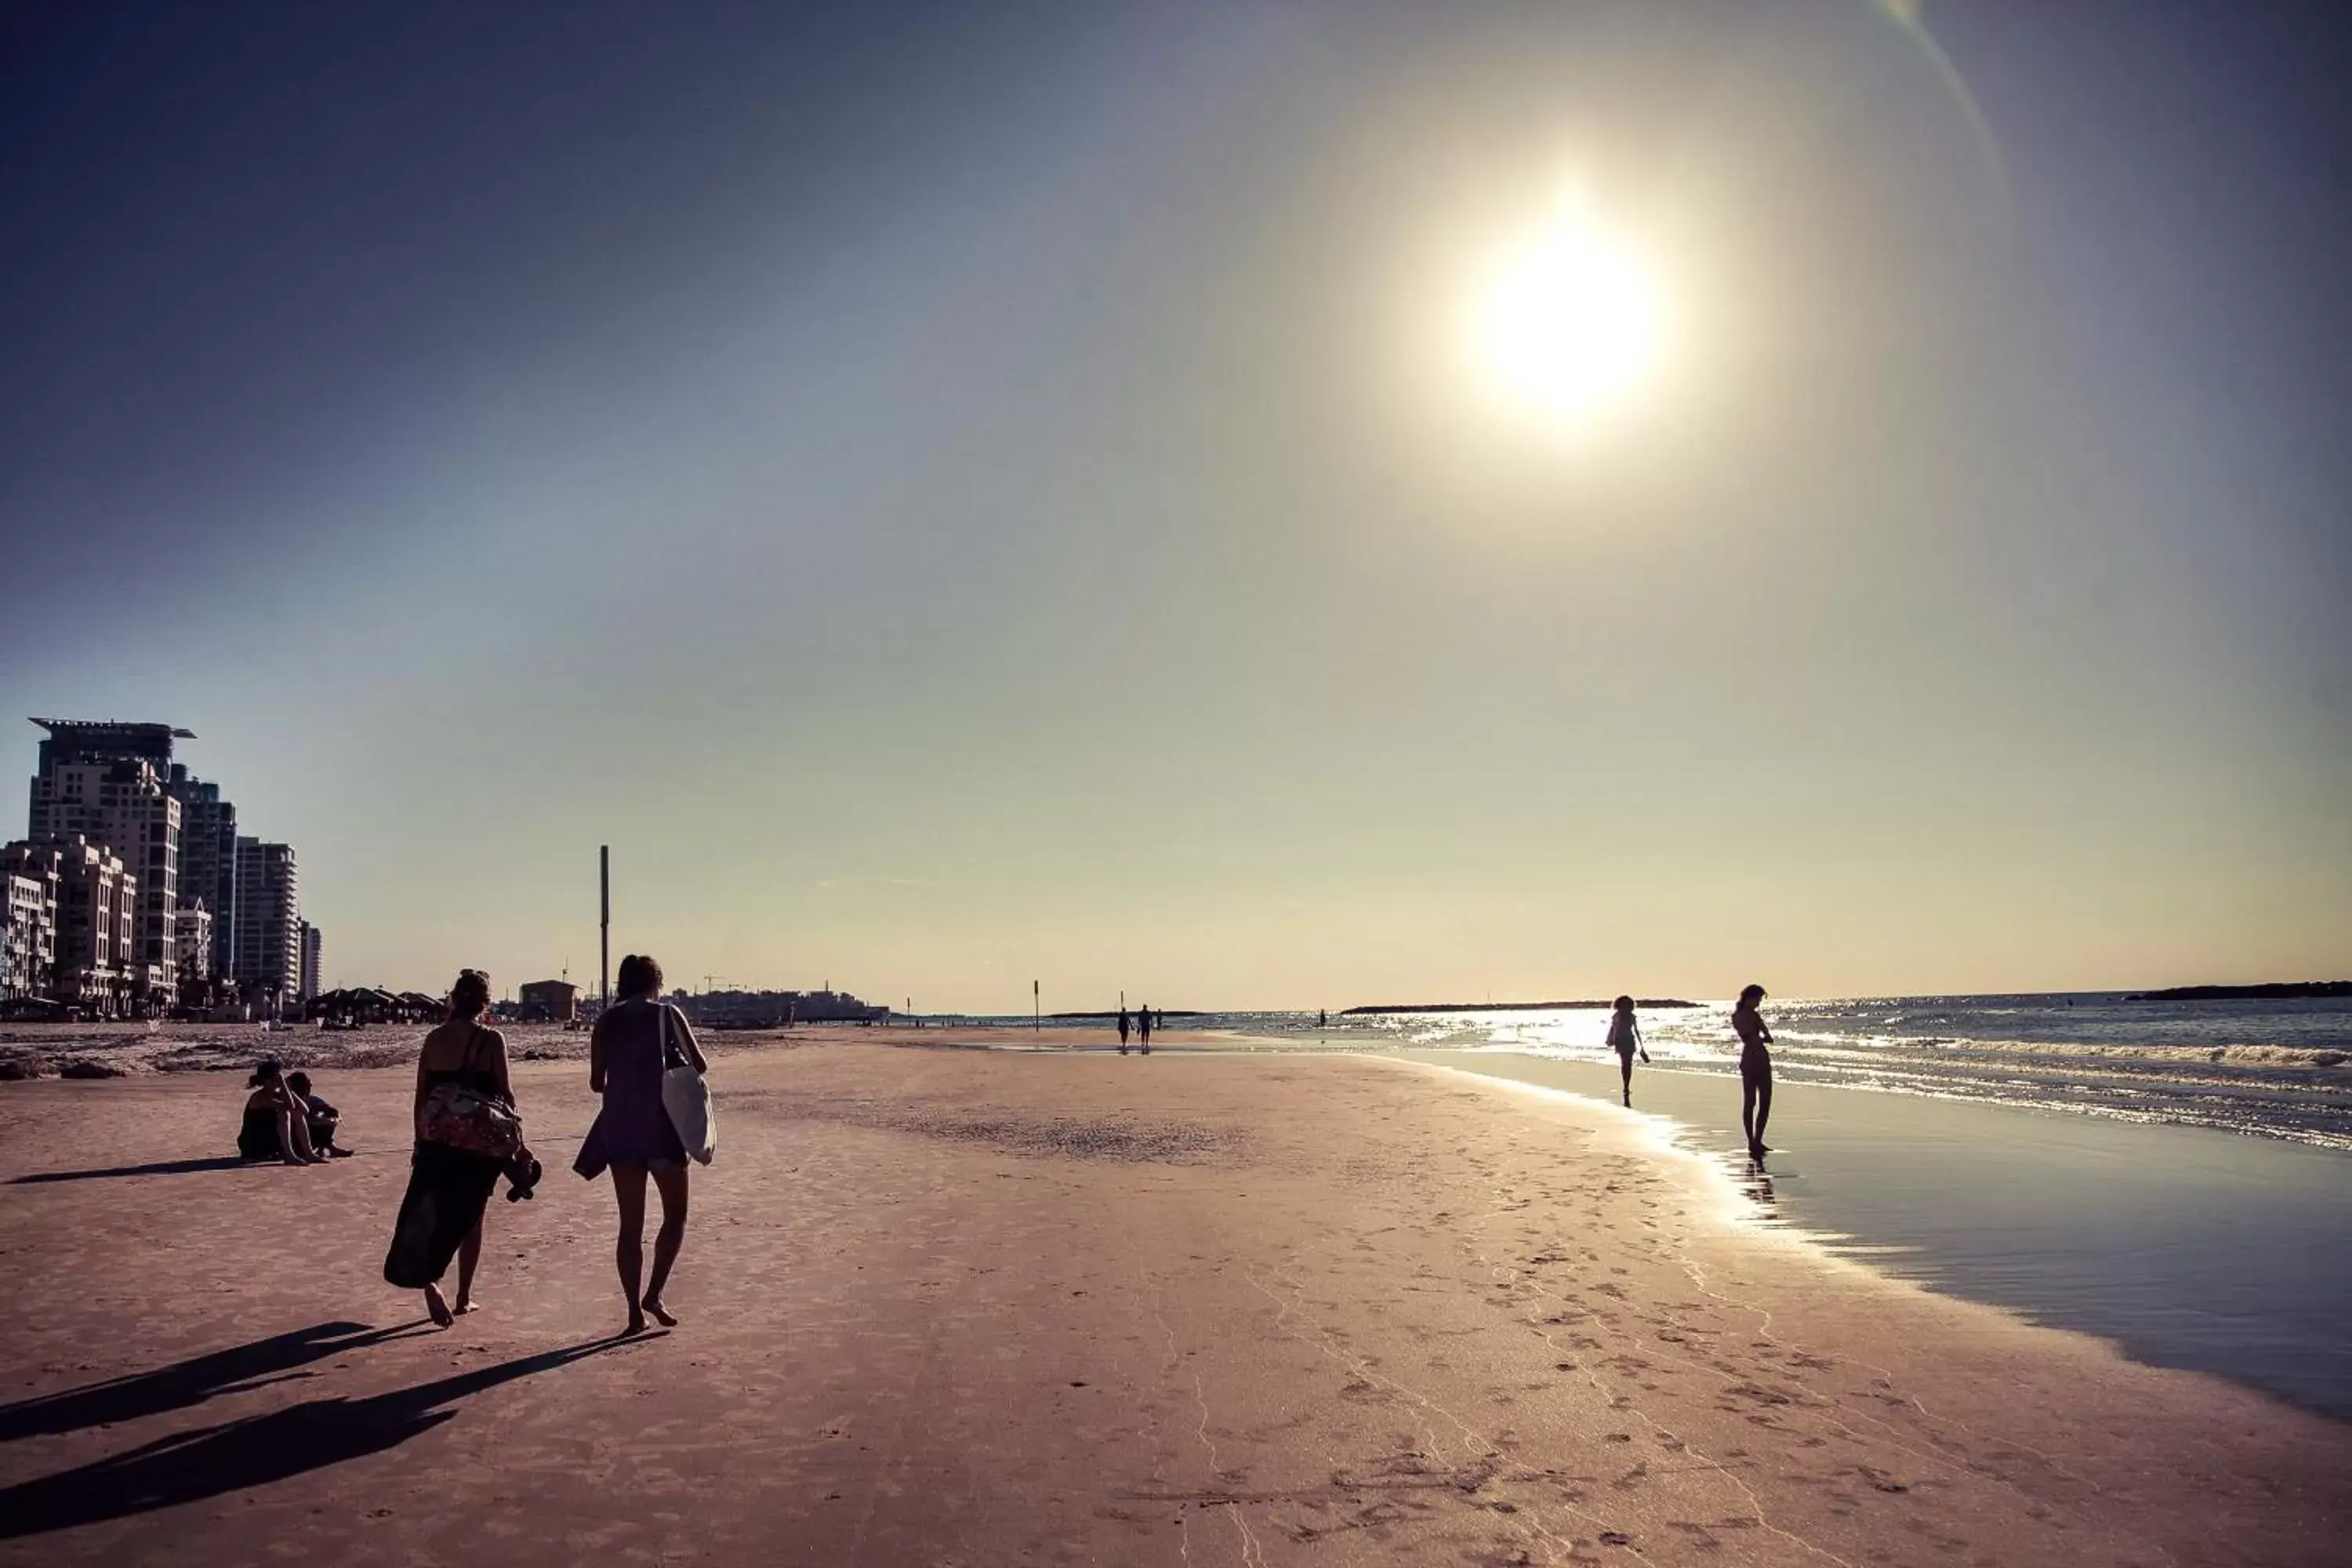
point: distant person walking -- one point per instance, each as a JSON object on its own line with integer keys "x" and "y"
{"x": 1755, "y": 1070}
{"x": 1122, "y": 1028}
{"x": 449, "y": 1186}
{"x": 1143, "y": 1022}
{"x": 633, "y": 1137}
{"x": 1625, "y": 1039}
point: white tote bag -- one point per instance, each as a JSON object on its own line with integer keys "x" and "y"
{"x": 687, "y": 1098}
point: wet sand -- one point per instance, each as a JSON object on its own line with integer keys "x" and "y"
{"x": 979, "y": 1306}
{"x": 2189, "y": 1246}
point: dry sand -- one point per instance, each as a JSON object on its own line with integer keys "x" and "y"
{"x": 950, "y": 1307}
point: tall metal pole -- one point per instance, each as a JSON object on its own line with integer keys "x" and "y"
{"x": 605, "y": 925}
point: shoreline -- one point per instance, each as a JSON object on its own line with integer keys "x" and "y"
{"x": 2190, "y": 1247}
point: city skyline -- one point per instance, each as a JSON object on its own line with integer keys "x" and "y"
{"x": 132, "y": 893}
{"x": 961, "y": 498}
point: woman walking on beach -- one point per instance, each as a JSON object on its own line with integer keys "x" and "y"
{"x": 1625, "y": 1039}
{"x": 632, "y": 1136}
{"x": 447, "y": 1185}
{"x": 1755, "y": 1070}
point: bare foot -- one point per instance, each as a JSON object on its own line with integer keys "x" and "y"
{"x": 636, "y": 1325}
{"x": 661, "y": 1313}
{"x": 465, "y": 1304}
{"x": 439, "y": 1307}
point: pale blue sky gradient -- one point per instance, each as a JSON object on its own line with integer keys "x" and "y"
{"x": 994, "y": 494}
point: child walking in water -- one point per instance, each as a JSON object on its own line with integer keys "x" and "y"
{"x": 1625, "y": 1037}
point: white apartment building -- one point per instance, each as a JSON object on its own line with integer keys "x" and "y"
{"x": 120, "y": 803}
{"x": 311, "y": 945}
{"x": 98, "y": 927}
{"x": 193, "y": 924}
{"x": 28, "y": 943}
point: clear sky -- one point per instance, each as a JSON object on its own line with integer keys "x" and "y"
{"x": 965, "y": 495}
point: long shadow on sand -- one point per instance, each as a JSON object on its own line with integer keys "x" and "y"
{"x": 159, "y": 1168}
{"x": 236, "y": 1456}
{"x": 190, "y": 1382}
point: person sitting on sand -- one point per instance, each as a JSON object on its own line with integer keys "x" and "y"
{"x": 633, "y": 1137}
{"x": 320, "y": 1116}
{"x": 1625, "y": 1039}
{"x": 273, "y": 1128}
{"x": 1755, "y": 1070}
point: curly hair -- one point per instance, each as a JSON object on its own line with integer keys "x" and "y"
{"x": 471, "y": 995}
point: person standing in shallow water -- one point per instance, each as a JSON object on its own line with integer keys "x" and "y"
{"x": 1122, "y": 1028}
{"x": 1755, "y": 1070}
{"x": 1625, "y": 1039}
{"x": 1143, "y": 1024}
{"x": 634, "y": 1043}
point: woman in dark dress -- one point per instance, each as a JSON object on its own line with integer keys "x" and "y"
{"x": 632, "y": 1136}
{"x": 448, "y": 1188}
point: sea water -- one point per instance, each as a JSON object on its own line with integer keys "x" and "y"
{"x": 2278, "y": 1069}
{"x": 2173, "y": 1176}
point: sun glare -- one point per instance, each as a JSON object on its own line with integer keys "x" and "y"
{"x": 1567, "y": 322}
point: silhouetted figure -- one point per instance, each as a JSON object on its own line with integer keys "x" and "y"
{"x": 1755, "y": 1070}
{"x": 1143, "y": 1026}
{"x": 1625, "y": 1039}
{"x": 1322, "y": 1019}
{"x": 1122, "y": 1028}
{"x": 274, "y": 1126}
{"x": 441, "y": 1215}
{"x": 322, "y": 1117}
{"x": 633, "y": 1044}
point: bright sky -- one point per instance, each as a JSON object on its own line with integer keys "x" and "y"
{"x": 1277, "y": 505}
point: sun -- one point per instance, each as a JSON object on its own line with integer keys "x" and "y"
{"x": 1569, "y": 321}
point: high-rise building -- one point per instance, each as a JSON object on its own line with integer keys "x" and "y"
{"x": 208, "y": 860}
{"x": 121, "y": 804}
{"x": 268, "y": 918}
{"x": 106, "y": 741}
{"x": 311, "y": 948}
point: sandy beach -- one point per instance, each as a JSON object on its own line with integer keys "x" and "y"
{"x": 974, "y": 1307}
